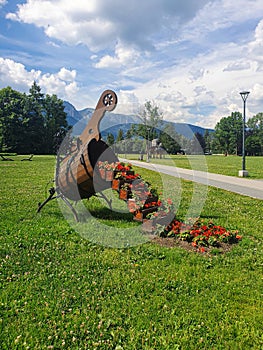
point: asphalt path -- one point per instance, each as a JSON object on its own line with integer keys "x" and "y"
{"x": 243, "y": 186}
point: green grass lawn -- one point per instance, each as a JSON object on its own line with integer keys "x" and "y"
{"x": 218, "y": 164}
{"x": 61, "y": 291}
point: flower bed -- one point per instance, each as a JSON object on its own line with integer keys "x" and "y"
{"x": 201, "y": 236}
{"x": 158, "y": 216}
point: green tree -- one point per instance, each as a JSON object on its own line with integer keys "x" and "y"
{"x": 12, "y": 120}
{"x": 128, "y": 134}
{"x": 208, "y": 141}
{"x": 55, "y": 123}
{"x": 120, "y": 136}
{"x": 198, "y": 144}
{"x": 228, "y": 134}
{"x": 132, "y": 131}
{"x": 110, "y": 139}
{"x": 138, "y": 145}
{"x": 32, "y": 123}
{"x": 254, "y": 143}
{"x": 35, "y": 127}
{"x": 168, "y": 137}
{"x": 120, "y": 142}
{"x": 151, "y": 121}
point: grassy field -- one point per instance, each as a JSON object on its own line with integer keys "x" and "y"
{"x": 218, "y": 164}
{"x": 61, "y": 291}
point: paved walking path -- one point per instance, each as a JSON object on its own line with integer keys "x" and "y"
{"x": 246, "y": 187}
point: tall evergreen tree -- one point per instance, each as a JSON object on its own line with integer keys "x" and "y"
{"x": 120, "y": 136}
{"x": 110, "y": 139}
{"x": 55, "y": 123}
{"x": 35, "y": 112}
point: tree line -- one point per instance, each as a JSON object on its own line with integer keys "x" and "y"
{"x": 229, "y": 134}
{"x": 31, "y": 123}
{"x": 226, "y": 139}
{"x": 138, "y": 138}
{"x": 37, "y": 123}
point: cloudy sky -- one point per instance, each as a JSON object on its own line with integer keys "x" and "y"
{"x": 192, "y": 58}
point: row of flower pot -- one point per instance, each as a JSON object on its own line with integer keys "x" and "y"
{"x": 144, "y": 203}
{"x": 142, "y": 200}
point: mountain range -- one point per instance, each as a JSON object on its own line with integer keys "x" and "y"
{"x": 113, "y": 122}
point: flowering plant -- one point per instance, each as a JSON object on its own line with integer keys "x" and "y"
{"x": 165, "y": 208}
{"x": 110, "y": 166}
{"x": 143, "y": 201}
{"x": 125, "y": 186}
{"x": 122, "y": 167}
{"x": 101, "y": 164}
{"x": 200, "y": 234}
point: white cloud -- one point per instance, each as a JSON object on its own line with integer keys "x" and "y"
{"x": 255, "y": 47}
{"x": 240, "y": 65}
{"x": 3, "y": 2}
{"x": 16, "y": 75}
{"x": 191, "y": 57}
{"x": 257, "y": 92}
{"x": 67, "y": 75}
{"x": 221, "y": 14}
{"x": 259, "y": 33}
{"x": 98, "y": 24}
{"x": 124, "y": 56}
{"x": 197, "y": 73}
{"x": 13, "y": 73}
{"x": 201, "y": 89}
{"x": 128, "y": 103}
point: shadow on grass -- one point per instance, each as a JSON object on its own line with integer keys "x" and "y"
{"x": 107, "y": 214}
{"x": 211, "y": 217}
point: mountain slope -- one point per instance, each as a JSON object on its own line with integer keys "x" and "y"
{"x": 113, "y": 122}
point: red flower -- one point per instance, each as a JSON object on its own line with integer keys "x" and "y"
{"x": 169, "y": 201}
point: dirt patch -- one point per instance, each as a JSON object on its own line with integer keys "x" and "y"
{"x": 173, "y": 242}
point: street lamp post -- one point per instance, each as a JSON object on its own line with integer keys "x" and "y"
{"x": 244, "y": 172}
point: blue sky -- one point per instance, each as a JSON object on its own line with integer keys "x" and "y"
{"x": 192, "y": 58}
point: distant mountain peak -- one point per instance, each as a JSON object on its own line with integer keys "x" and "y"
{"x": 112, "y": 122}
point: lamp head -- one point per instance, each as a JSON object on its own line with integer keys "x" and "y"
{"x": 244, "y": 95}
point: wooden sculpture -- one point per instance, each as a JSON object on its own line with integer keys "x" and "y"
{"x": 75, "y": 171}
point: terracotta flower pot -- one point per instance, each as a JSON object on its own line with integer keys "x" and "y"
{"x": 109, "y": 175}
{"x": 115, "y": 185}
{"x": 132, "y": 205}
{"x": 124, "y": 194}
{"x": 142, "y": 213}
{"x": 102, "y": 173}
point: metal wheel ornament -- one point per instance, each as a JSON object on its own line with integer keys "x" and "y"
{"x": 108, "y": 100}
